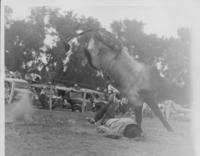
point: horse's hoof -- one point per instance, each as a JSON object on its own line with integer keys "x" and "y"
{"x": 90, "y": 120}
{"x": 142, "y": 134}
{"x": 170, "y": 129}
{"x": 142, "y": 137}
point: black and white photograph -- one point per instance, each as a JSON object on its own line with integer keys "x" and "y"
{"x": 99, "y": 78}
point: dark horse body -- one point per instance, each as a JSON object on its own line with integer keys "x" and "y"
{"x": 131, "y": 77}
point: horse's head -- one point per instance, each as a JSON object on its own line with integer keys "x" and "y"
{"x": 101, "y": 46}
{"x": 92, "y": 52}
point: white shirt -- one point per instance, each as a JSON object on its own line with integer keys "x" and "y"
{"x": 116, "y": 126}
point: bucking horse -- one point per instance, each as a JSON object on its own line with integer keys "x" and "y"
{"x": 132, "y": 78}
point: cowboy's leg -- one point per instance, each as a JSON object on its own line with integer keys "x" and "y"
{"x": 100, "y": 113}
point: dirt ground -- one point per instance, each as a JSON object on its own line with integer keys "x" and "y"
{"x": 64, "y": 133}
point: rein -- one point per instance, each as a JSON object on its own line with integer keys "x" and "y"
{"x": 66, "y": 42}
{"x": 79, "y": 34}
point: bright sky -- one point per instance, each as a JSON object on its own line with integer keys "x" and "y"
{"x": 161, "y": 18}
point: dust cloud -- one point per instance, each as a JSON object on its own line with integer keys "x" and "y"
{"x": 20, "y": 110}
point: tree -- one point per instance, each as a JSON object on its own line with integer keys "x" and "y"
{"x": 36, "y": 44}
{"x": 140, "y": 45}
{"x": 169, "y": 56}
{"x": 8, "y": 15}
{"x": 22, "y": 44}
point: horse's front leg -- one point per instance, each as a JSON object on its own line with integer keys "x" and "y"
{"x": 138, "y": 115}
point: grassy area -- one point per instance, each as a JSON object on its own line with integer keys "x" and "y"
{"x": 65, "y": 133}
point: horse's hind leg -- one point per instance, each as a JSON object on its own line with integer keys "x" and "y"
{"x": 147, "y": 97}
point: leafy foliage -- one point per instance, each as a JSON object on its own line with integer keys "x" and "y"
{"x": 36, "y": 44}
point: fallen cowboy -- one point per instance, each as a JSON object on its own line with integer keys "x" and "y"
{"x": 112, "y": 127}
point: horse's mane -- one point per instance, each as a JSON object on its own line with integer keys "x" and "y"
{"x": 109, "y": 40}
